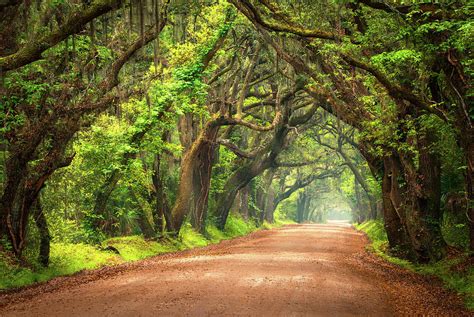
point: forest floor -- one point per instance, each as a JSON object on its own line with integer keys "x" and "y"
{"x": 321, "y": 270}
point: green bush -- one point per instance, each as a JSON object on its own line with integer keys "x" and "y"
{"x": 454, "y": 232}
{"x": 236, "y": 226}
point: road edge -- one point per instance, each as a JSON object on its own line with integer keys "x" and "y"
{"x": 15, "y": 295}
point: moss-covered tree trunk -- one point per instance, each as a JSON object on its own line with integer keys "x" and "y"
{"x": 398, "y": 239}
{"x": 24, "y": 183}
{"x": 269, "y": 206}
{"x": 244, "y": 202}
{"x": 469, "y": 150}
{"x": 238, "y": 180}
{"x": 159, "y": 200}
{"x": 195, "y": 180}
{"x": 97, "y": 218}
{"x": 43, "y": 230}
{"x": 423, "y": 195}
{"x": 301, "y": 207}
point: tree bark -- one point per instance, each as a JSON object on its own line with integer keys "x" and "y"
{"x": 45, "y": 237}
{"x": 244, "y": 202}
{"x": 102, "y": 197}
{"x": 265, "y": 158}
{"x": 359, "y": 204}
{"x": 161, "y": 208}
{"x": 397, "y": 235}
{"x": 24, "y": 183}
{"x": 34, "y": 48}
{"x": 301, "y": 204}
{"x": 195, "y": 179}
{"x": 239, "y": 179}
{"x": 423, "y": 218}
{"x": 269, "y": 206}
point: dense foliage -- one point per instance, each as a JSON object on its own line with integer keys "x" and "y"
{"x": 143, "y": 117}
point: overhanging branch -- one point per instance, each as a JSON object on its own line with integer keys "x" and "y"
{"x": 236, "y": 150}
{"x": 33, "y": 49}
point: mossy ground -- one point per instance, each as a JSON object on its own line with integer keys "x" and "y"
{"x": 451, "y": 271}
{"x": 69, "y": 258}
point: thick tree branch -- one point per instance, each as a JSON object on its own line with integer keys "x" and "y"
{"x": 267, "y": 102}
{"x": 236, "y": 150}
{"x": 303, "y": 183}
{"x": 33, "y": 49}
{"x": 246, "y": 84}
{"x": 223, "y": 71}
{"x": 394, "y": 90}
{"x": 254, "y": 14}
{"x": 296, "y": 164}
{"x": 305, "y": 117}
{"x": 222, "y": 120}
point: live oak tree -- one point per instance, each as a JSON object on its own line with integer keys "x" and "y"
{"x": 126, "y": 117}
{"x": 422, "y": 197}
{"x": 52, "y": 110}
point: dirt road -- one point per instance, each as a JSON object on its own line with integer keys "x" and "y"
{"x": 309, "y": 270}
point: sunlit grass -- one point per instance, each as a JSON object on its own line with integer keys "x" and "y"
{"x": 65, "y": 259}
{"x": 136, "y": 248}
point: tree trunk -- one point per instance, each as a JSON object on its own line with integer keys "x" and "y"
{"x": 45, "y": 237}
{"x": 263, "y": 194}
{"x": 145, "y": 226}
{"x": 160, "y": 203}
{"x": 260, "y": 202}
{"x": 458, "y": 83}
{"x": 269, "y": 206}
{"x": 244, "y": 202}
{"x": 239, "y": 179}
{"x": 142, "y": 220}
{"x": 307, "y": 205}
{"x": 359, "y": 205}
{"x": 195, "y": 180}
{"x": 423, "y": 218}
{"x": 23, "y": 185}
{"x": 188, "y": 130}
{"x": 300, "y": 207}
{"x": 252, "y": 199}
{"x": 373, "y": 208}
{"x": 397, "y": 235}
{"x": 469, "y": 149}
{"x": 102, "y": 197}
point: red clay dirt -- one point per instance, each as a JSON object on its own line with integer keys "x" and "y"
{"x": 301, "y": 270}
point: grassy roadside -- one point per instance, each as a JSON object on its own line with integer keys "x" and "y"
{"x": 452, "y": 271}
{"x": 69, "y": 258}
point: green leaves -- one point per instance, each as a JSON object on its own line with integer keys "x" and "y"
{"x": 9, "y": 118}
{"x": 405, "y": 65}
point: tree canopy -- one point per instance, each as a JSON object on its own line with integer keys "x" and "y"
{"x": 138, "y": 116}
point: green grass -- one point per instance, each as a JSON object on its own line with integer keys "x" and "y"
{"x": 65, "y": 259}
{"x": 460, "y": 282}
{"x": 69, "y": 258}
{"x": 135, "y": 248}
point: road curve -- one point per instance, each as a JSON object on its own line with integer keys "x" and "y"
{"x": 301, "y": 270}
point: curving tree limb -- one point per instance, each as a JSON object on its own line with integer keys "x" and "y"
{"x": 33, "y": 49}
